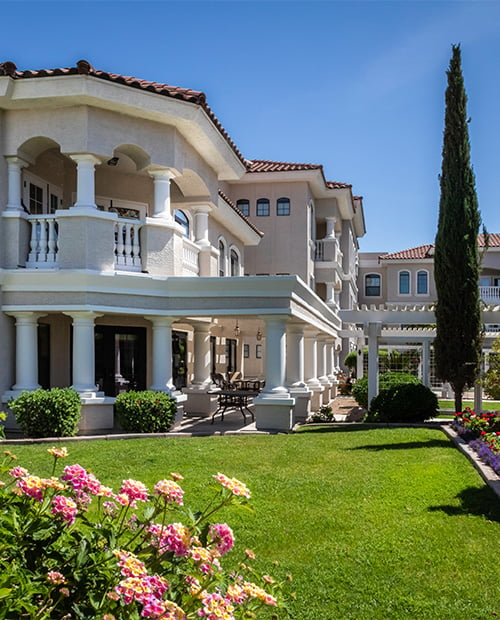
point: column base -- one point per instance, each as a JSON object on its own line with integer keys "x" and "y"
{"x": 316, "y": 396}
{"x": 302, "y": 407}
{"x": 273, "y": 414}
{"x": 199, "y": 401}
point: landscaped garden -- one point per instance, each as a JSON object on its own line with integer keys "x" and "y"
{"x": 380, "y": 523}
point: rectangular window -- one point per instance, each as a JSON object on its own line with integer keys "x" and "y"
{"x": 258, "y": 351}
{"x": 404, "y": 283}
{"x": 231, "y": 349}
{"x": 422, "y": 287}
{"x": 244, "y": 207}
{"x": 246, "y": 351}
{"x": 372, "y": 285}
{"x": 36, "y": 199}
{"x": 283, "y": 206}
{"x": 263, "y": 207}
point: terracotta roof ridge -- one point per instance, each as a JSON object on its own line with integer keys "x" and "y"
{"x": 84, "y": 67}
{"x": 235, "y": 208}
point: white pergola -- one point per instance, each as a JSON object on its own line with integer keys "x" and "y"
{"x": 400, "y": 324}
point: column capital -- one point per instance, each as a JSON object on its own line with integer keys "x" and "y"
{"x": 83, "y": 315}
{"x": 26, "y": 316}
{"x": 15, "y": 160}
{"x": 82, "y": 158}
{"x": 159, "y": 320}
{"x": 162, "y": 174}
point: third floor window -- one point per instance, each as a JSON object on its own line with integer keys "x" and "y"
{"x": 263, "y": 206}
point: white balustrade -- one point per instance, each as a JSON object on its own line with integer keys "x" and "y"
{"x": 190, "y": 251}
{"x": 490, "y": 294}
{"x": 327, "y": 250}
{"x": 43, "y": 242}
{"x": 127, "y": 245}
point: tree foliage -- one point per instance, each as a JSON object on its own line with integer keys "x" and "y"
{"x": 456, "y": 263}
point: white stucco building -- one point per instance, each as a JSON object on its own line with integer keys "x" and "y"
{"x": 140, "y": 248}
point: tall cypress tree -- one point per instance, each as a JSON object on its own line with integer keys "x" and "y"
{"x": 456, "y": 262}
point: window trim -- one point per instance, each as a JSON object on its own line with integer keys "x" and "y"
{"x": 261, "y": 202}
{"x": 222, "y": 260}
{"x": 426, "y": 272}
{"x": 371, "y": 275}
{"x": 400, "y": 273}
{"x": 186, "y": 227}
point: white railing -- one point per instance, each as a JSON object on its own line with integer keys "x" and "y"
{"x": 490, "y": 294}
{"x": 43, "y": 242}
{"x": 127, "y": 245}
{"x": 190, "y": 251}
{"x": 327, "y": 250}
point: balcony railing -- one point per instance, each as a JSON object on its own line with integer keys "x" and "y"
{"x": 127, "y": 245}
{"x": 327, "y": 250}
{"x": 490, "y": 294}
{"x": 190, "y": 265}
{"x": 43, "y": 242}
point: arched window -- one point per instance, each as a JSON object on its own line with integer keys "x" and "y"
{"x": 244, "y": 206}
{"x": 182, "y": 219}
{"x": 222, "y": 258}
{"x": 422, "y": 283}
{"x": 404, "y": 282}
{"x": 372, "y": 285}
{"x": 283, "y": 206}
{"x": 235, "y": 262}
{"x": 263, "y": 207}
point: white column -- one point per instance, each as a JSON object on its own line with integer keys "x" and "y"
{"x": 161, "y": 207}
{"x": 330, "y": 362}
{"x": 359, "y": 359}
{"x": 330, "y": 227}
{"x": 84, "y": 352}
{"x": 201, "y": 378}
{"x": 85, "y": 179}
{"x": 311, "y": 360}
{"x": 26, "y": 350}
{"x": 162, "y": 379}
{"x": 321, "y": 364}
{"x": 201, "y": 225}
{"x": 275, "y": 362}
{"x": 426, "y": 355}
{"x": 295, "y": 356}
{"x": 14, "y": 166}
{"x": 374, "y": 331}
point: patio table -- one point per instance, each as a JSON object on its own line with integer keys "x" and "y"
{"x": 233, "y": 399}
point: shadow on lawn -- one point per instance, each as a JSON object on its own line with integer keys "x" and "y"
{"x": 481, "y": 502}
{"x": 430, "y": 443}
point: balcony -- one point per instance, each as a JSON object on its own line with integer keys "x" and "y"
{"x": 490, "y": 294}
{"x": 44, "y": 243}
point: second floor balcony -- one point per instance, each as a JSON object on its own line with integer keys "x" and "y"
{"x": 490, "y": 294}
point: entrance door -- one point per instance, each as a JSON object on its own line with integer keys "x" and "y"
{"x": 179, "y": 359}
{"x": 120, "y": 358}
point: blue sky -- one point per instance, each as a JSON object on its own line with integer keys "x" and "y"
{"x": 357, "y": 86}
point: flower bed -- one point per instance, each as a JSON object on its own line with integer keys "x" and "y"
{"x": 482, "y": 432}
{"x": 72, "y": 548}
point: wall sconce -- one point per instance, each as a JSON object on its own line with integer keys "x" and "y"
{"x": 113, "y": 161}
{"x": 237, "y": 330}
{"x": 258, "y": 335}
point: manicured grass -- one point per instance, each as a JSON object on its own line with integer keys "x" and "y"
{"x": 488, "y": 405}
{"x": 372, "y": 524}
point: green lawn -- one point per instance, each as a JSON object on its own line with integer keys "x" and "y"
{"x": 372, "y": 524}
{"x": 489, "y": 405}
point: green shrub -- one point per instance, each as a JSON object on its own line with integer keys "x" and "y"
{"x": 386, "y": 379}
{"x": 145, "y": 412}
{"x": 406, "y": 402}
{"x": 351, "y": 360}
{"x": 491, "y": 383}
{"x": 47, "y": 413}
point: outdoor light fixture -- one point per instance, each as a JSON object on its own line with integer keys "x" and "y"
{"x": 237, "y": 330}
{"x": 258, "y": 335}
{"x": 113, "y": 161}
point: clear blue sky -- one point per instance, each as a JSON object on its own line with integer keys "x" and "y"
{"x": 357, "y": 86}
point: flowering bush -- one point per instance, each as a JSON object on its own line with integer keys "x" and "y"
{"x": 324, "y": 414}
{"x": 482, "y": 431}
{"x": 73, "y": 548}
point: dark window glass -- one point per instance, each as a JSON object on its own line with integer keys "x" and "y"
{"x": 231, "y": 355}
{"x": 244, "y": 207}
{"x": 222, "y": 258}
{"x": 263, "y": 207}
{"x": 372, "y": 285}
{"x": 422, "y": 285}
{"x": 182, "y": 219}
{"x": 404, "y": 283}
{"x": 235, "y": 263}
{"x": 36, "y": 199}
{"x": 283, "y": 206}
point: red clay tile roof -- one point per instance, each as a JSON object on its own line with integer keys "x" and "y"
{"x": 235, "y": 208}
{"x": 427, "y": 251}
{"x": 83, "y": 67}
{"x": 264, "y": 165}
